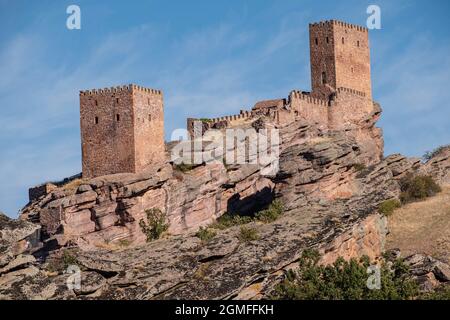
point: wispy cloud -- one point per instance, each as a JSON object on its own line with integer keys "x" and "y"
{"x": 413, "y": 91}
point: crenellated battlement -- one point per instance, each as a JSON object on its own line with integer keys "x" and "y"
{"x": 351, "y": 91}
{"x": 295, "y": 94}
{"x": 339, "y": 24}
{"x": 242, "y": 115}
{"x": 119, "y": 89}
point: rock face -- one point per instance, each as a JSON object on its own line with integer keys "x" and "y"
{"x": 439, "y": 166}
{"x": 329, "y": 182}
{"x": 108, "y": 209}
{"x": 314, "y": 164}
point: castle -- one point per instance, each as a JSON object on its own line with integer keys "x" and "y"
{"x": 122, "y": 129}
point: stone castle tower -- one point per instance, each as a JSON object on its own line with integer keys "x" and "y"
{"x": 122, "y": 129}
{"x": 340, "y": 58}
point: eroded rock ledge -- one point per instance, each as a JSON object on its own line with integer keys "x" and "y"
{"x": 182, "y": 266}
{"x": 330, "y": 186}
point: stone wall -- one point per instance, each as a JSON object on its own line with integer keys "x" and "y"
{"x": 37, "y": 192}
{"x": 309, "y": 108}
{"x": 121, "y": 129}
{"x": 340, "y": 57}
{"x": 149, "y": 127}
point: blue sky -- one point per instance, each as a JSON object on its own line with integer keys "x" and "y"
{"x": 211, "y": 58}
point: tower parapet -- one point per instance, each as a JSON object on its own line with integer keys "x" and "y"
{"x": 122, "y": 129}
{"x": 340, "y": 57}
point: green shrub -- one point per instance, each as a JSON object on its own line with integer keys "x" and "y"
{"x": 419, "y": 187}
{"x": 387, "y": 207}
{"x": 68, "y": 258}
{"x": 124, "y": 242}
{"x": 247, "y": 234}
{"x": 183, "y": 167}
{"x": 156, "y": 224}
{"x": 205, "y": 120}
{"x": 270, "y": 214}
{"x": 205, "y": 234}
{"x": 359, "y": 167}
{"x": 431, "y": 154}
{"x": 442, "y": 293}
{"x": 60, "y": 262}
{"x": 343, "y": 280}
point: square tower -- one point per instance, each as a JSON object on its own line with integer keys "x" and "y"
{"x": 122, "y": 130}
{"x": 340, "y": 58}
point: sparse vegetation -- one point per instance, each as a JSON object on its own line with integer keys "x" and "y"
{"x": 73, "y": 185}
{"x": 124, "y": 243}
{"x": 442, "y": 293}
{"x": 205, "y": 234}
{"x": 205, "y": 120}
{"x": 62, "y": 261}
{"x": 228, "y": 220}
{"x": 414, "y": 188}
{"x": 247, "y": 234}
{"x": 431, "y": 154}
{"x": 359, "y": 167}
{"x": 273, "y": 212}
{"x": 387, "y": 207}
{"x": 156, "y": 224}
{"x": 344, "y": 280}
{"x": 183, "y": 167}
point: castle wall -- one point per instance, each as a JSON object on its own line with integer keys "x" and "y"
{"x": 309, "y": 108}
{"x": 322, "y": 58}
{"x": 107, "y": 141}
{"x": 216, "y": 123}
{"x": 352, "y": 57}
{"x": 349, "y": 108}
{"x": 122, "y": 129}
{"x": 340, "y": 57}
{"x": 149, "y": 128}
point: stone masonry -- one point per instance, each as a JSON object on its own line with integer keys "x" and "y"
{"x": 122, "y": 130}
{"x": 341, "y": 96}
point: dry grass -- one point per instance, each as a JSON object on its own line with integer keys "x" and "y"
{"x": 73, "y": 185}
{"x": 423, "y": 227}
{"x": 317, "y": 140}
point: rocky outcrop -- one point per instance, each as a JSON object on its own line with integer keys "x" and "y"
{"x": 18, "y": 241}
{"x": 312, "y": 165}
{"x": 329, "y": 182}
{"x": 439, "y": 166}
{"x": 185, "y": 267}
{"x": 428, "y": 272}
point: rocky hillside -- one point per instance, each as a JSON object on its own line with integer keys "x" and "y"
{"x": 329, "y": 191}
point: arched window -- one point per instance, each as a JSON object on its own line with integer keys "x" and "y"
{"x": 324, "y": 78}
